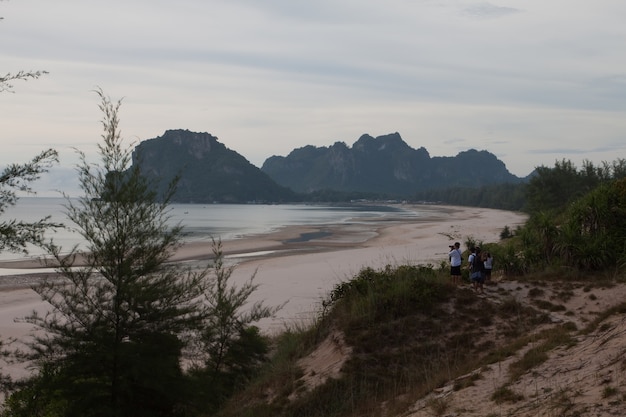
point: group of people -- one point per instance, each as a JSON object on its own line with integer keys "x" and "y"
{"x": 480, "y": 265}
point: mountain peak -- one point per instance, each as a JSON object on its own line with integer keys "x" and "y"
{"x": 208, "y": 171}
{"x": 384, "y": 164}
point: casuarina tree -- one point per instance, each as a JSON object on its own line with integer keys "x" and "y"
{"x": 120, "y": 314}
{"x": 15, "y": 236}
{"x": 15, "y": 179}
{"x": 231, "y": 347}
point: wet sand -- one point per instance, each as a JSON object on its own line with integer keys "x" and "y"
{"x": 298, "y": 266}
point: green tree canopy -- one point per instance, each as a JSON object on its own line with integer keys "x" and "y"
{"x": 111, "y": 344}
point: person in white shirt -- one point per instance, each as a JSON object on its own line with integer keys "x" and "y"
{"x": 488, "y": 266}
{"x": 455, "y": 263}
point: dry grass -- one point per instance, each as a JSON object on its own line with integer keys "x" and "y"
{"x": 412, "y": 335}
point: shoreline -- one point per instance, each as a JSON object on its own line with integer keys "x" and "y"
{"x": 299, "y": 265}
{"x": 292, "y": 238}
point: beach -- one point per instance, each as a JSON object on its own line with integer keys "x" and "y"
{"x": 298, "y": 266}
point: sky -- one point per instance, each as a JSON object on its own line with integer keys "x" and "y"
{"x": 531, "y": 81}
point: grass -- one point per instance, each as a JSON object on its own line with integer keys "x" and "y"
{"x": 506, "y": 394}
{"x": 561, "y": 403}
{"x": 546, "y": 305}
{"x": 438, "y": 406}
{"x": 535, "y": 356}
{"x": 609, "y": 392}
{"x": 461, "y": 383}
{"x": 619, "y": 309}
{"x": 410, "y": 332}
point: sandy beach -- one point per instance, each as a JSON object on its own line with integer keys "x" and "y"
{"x": 298, "y": 266}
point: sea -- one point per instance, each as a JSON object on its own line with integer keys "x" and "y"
{"x": 206, "y": 221}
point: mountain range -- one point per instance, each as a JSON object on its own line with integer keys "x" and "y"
{"x": 210, "y": 172}
{"x": 385, "y": 164}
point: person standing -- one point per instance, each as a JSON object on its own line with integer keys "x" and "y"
{"x": 477, "y": 268}
{"x": 455, "y": 263}
{"x": 488, "y": 266}
{"x": 470, "y": 262}
{"x": 470, "y": 259}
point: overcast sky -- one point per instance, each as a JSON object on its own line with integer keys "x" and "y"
{"x": 532, "y": 81}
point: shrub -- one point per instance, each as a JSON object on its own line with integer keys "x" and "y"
{"x": 505, "y": 394}
{"x": 390, "y": 291}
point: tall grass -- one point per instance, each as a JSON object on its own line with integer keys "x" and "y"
{"x": 410, "y": 332}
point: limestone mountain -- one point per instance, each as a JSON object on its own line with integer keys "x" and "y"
{"x": 385, "y": 164}
{"x": 209, "y": 172}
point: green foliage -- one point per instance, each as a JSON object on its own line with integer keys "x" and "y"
{"x": 539, "y": 239}
{"x": 551, "y": 188}
{"x": 226, "y": 324}
{"x": 406, "y": 346}
{"x": 408, "y": 332}
{"x": 558, "y": 336}
{"x": 230, "y": 346}
{"x": 593, "y": 233}
{"x": 15, "y": 236}
{"x": 7, "y": 79}
{"x": 506, "y": 233}
{"x": 577, "y": 218}
{"x": 505, "y": 196}
{"x": 609, "y": 391}
{"x": 378, "y": 294}
{"x": 112, "y": 342}
{"x": 471, "y": 242}
{"x": 506, "y": 394}
{"x": 510, "y": 258}
{"x": 333, "y": 196}
{"x": 37, "y": 397}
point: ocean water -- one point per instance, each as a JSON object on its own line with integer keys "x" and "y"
{"x": 206, "y": 221}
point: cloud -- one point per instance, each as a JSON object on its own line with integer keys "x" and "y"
{"x": 488, "y": 11}
{"x": 267, "y": 77}
{"x": 615, "y": 149}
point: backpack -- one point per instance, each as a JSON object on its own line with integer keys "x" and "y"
{"x": 477, "y": 263}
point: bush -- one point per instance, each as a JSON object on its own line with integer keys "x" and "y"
{"x": 592, "y": 236}
{"x": 376, "y": 294}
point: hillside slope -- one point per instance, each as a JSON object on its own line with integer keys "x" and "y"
{"x": 523, "y": 348}
{"x": 584, "y": 377}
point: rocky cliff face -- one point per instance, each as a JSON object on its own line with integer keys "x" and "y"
{"x": 208, "y": 171}
{"x": 385, "y": 164}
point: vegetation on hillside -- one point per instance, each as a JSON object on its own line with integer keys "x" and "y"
{"x": 410, "y": 332}
{"x": 577, "y": 219}
{"x": 505, "y": 196}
